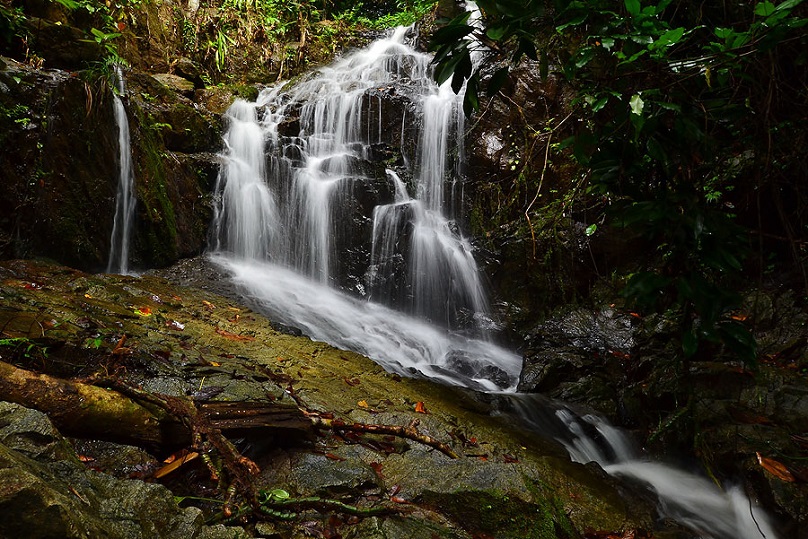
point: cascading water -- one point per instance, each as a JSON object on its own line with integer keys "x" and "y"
{"x": 125, "y": 197}
{"x": 325, "y": 234}
{"x": 685, "y": 497}
{"x": 322, "y": 204}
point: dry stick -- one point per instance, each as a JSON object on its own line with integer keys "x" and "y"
{"x": 410, "y": 432}
{"x": 541, "y": 181}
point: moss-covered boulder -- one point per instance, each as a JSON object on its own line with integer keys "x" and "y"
{"x": 192, "y": 341}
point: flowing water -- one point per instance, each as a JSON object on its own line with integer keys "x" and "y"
{"x": 325, "y": 231}
{"x": 125, "y": 197}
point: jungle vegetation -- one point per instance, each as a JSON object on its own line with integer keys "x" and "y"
{"x": 691, "y": 136}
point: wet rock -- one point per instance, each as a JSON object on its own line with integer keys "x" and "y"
{"x": 54, "y": 495}
{"x": 225, "y": 345}
{"x": 580, "y": 355}
{"x": 190, "y": 70}
{"x": 61, "y": 45}
{"x": 175, "y": 82}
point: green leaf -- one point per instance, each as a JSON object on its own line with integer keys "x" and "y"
{"x": 470, "y": 100}
{"x": 498, "y": 80}
{"x": 575, "y": 21}
{"x": 584, "y": 56}
{"x": 636, "y": 103}
{"x": 279, "y": 494}
{"x": 671, "y": 37}
{"x": 591, "y": 229}
{"x": 788, "y": 4}
{"x": 600, "y": 103}
{"x": 764, "y": 9}
{"x": 633, "y": 7}
{"x": 495, "y": 33}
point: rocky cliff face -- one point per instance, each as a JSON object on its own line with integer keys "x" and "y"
{"x": 59, "y": 162}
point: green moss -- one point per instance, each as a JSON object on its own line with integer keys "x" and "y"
{"x": 503, "y": 516}
{"x": 158, "y": 236}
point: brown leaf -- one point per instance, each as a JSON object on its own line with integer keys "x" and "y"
{"x": 175, "y": 462}
{"x": 352, "y": 381}
{"x": 377, "y": 467}
{"x": 777, "y": 469}
{"x": 420, "y": 408}
{"x": 208, "y": 305}
{"x": 332, "y": 456}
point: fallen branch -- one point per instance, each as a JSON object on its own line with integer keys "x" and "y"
{"x": 80, "y": 409}
{"x": 239, "y": 469}
{"x": 410, "y": 432}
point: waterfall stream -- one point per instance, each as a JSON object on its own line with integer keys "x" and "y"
{"x": 125, "y": 197}
{"x": 326, "y": 232}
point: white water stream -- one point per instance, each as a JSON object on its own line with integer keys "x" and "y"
{"x": 294, "y": 163}
{"x": 125, "y": 197}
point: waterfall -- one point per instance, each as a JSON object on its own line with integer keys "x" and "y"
{"x": 324, "y": 233}
{"x": 125, "y": 197}
{"x": 304, "y": 187}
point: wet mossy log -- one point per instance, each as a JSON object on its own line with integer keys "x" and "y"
{"x": 84, "y": 410}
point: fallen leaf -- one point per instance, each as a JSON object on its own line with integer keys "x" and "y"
{"x": 362, "y": 404}
{"x": 397, "y": 499}
{"x": 352, "y": 381}
{"x": 143, "y": 311}
{"x": 777, "y": 469}
{"x": 88, "y": 296}
{"x": 802, "y": 441}
{"x": 175, "y": 463}
{"x": 332, "y": 456}
{"x": 377, "y": 467}
{"x": 210, "y": 306}
{"x": 420, "y": 408}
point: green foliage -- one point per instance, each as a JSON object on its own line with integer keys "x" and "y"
{"x": 675, "y": 101}
{"x": 24, "y": 348}
{"x": 11, "y": 23}
{"x": 402, "y": 13}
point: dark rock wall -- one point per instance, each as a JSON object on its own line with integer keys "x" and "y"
{"x": 59, "y": 168}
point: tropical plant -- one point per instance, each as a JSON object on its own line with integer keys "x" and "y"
{"x": 675, "y": 100}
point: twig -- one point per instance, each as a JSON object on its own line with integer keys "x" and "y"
{"x": 541, "y": 181}
{"x": 410, "y": 432}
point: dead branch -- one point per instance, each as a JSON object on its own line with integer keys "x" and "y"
{"x": 410, "y": 432}
{"x": 84, "y": 410}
